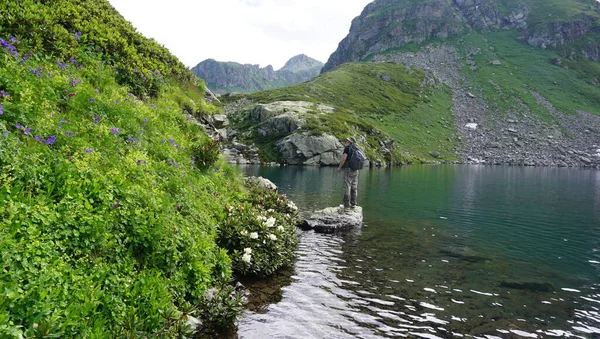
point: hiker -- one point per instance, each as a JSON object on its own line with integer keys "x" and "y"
{"x": 350, "y": 175}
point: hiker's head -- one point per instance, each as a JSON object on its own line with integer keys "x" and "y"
{"x": 350, "y": 141}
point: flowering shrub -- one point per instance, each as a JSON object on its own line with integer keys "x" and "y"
{"x": 260, "y": 233}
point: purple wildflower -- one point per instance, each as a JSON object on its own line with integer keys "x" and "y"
{"x": 61, "y": 65}
{"x": 153, "y": 106}
{"x": 88, "y": 150}
{"x": 37, "y": 71}
{"x": 92, "y": 100}
{"x": 6, "y": 133}
{"x": 179, "y": 207}
{"x": 51, "y": 140}
{"x": 97, "y": 119}
{"x": 72, "y": 60}
{"x": 139, "y": 162}
{"x": 132, "y": 139}
{"x": 27, "y": 131}
{"x": 171, "y": 141}
{"x": 38, "y": 138}
{"x": 77, "y": 36}
{"x": 69, "y": 134}
{"x": 117, "y": 204}
{"x": 145, "y": 121}
{"x": 1, "y": 109}
{"x": 19, "y": 126}
{"x": 115, "y": 130}
{"x": 14, "y": 39}
{"x": 162, "y": 141}
{"x": 3, "y": 93}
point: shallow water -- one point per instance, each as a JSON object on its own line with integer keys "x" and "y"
{"x": 445, "y": 252}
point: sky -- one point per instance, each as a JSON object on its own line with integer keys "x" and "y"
{"x": 264, "y": 32}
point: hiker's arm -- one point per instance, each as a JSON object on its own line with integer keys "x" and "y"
{"x": 344, "y": 156}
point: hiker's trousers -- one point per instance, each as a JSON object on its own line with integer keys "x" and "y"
{"x": 350, "y": 187}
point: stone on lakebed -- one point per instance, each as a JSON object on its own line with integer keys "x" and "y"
{"x": 334, "y": 219}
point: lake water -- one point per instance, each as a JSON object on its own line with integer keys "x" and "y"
{"x": 444, "y": 252}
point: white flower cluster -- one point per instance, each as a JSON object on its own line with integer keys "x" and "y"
{"x": 292, "y": 206}
{"x": 270, "y": 222}
{"x": 247, "y": 256}
{"x": 272, "y": 237}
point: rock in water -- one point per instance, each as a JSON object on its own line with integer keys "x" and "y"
{"x": 334, "y": 219}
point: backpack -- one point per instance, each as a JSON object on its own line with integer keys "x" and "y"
{"x": 357, "y": 158}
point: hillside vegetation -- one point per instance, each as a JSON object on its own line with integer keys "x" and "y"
{"x": 117, "y": 216}
{"x": 375, "y": 102}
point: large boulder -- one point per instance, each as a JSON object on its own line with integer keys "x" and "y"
{"x": 334, "y": 219}
{"x": 281, "y": 125}
{"x": 305, "y": 149}
{"x": 262, "y": 183}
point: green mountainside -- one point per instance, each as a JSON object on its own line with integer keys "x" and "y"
{"x": 374, "y": 102}
{"x": 492, "y": 82}
{"x": 118, "y": 218}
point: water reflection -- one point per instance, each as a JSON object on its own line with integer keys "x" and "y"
{"x": 446, "y": 251}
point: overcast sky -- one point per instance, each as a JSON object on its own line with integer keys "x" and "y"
{"x": 264, "y": 32}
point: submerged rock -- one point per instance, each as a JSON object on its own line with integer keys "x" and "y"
{"x": 528, "y": 285}
{"x": 334, "y": 219}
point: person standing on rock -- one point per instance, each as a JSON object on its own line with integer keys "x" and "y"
{"x": 350, "y": 175}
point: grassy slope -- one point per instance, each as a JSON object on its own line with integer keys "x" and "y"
{"x": 364, "y": 100}
{"x": 111, "y": 229}
{"x": 523, "y": 69}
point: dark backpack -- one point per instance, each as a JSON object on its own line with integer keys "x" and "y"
{"x": 357, "y": 158}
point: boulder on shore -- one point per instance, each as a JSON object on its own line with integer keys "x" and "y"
{"x": 334, "y": 219}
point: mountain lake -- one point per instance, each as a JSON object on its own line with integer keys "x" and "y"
{"x": 444, "y": 252}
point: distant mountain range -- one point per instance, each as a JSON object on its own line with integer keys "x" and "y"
{"x": 224, "y": 77}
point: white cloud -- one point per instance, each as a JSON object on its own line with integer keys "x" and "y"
{"x": 247, "y": 31}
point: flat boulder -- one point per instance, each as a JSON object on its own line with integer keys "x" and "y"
{"x": 334, "y": 219}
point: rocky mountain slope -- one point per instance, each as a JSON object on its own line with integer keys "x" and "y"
{"x": 223, "y": 77}
{"x": 566, "y": 25}
{"x": 510, "y": 82}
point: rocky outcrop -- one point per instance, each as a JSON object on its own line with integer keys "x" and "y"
{"x": 334, "y": 219}
{"x": 389, "y": 24}
{"x": 306, "y": 149}
{"x": 223, "y": 77}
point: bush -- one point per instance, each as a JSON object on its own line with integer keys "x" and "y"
{"x": 206, "y": 154}
{"x": 260, "y": 233}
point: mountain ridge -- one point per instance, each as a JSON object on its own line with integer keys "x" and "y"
{"x": 223, "y": 77}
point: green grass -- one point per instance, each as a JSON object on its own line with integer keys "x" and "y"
{"x": 546, "y": 11}
{"x": 429, "y": 127}
{"x": 525, "y": 69}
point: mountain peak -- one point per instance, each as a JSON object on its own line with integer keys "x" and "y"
{"x": 301, "y": 63}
